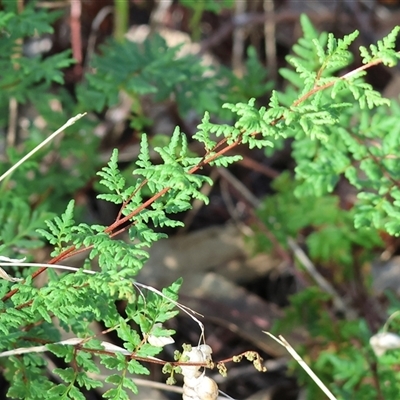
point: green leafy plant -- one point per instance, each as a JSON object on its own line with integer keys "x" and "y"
{"x": 34, "y": 82}
{"x": 33, "y": 316}
{"x": 26, "y": 77}
{"x": 347, "y": 146}
{"x": 156, "y": 70}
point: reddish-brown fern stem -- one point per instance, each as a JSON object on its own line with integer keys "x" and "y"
{"x": 161, "y": 193}
{"x": 79, "y": 347}
{"x": 54, "y": 260}
{"x": 111, "y": 230}
{"x": 126, "y": 202}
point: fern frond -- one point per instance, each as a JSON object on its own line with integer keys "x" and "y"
{"x": 111, "y": 176}
{"x": 59, "y": 229}
{"x": 384, "y": 50}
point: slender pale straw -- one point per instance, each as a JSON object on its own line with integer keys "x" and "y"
{"x": 283, "y": 342}
{"x": 70, "y": 122}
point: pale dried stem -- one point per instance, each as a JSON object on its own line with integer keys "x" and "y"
{"x": 282, "y": 341}
{"x": 70, "y": 122}
{"x": 270, "y": 39}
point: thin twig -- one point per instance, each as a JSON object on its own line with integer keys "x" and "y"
{"x": 240, "y": 187}
{"x": 12, "y": 122}
{"x": 249, "y": 163}
{"x": 301, "y": 256}
{"x": 13, "y": 104}
{"x": 144, "y": 383}
{"x": 182, "y": 307}
{"x": 70, "y": 122}
{"x": 238, "y": 40}
{"x": 270, "y": 39}
{"x": 197, "y": 204}
{"x": 282, "y": 341}
{"x": 100, "y": 17}
{"x": 254, "y": 203}
{"x": 75, "y": 26}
